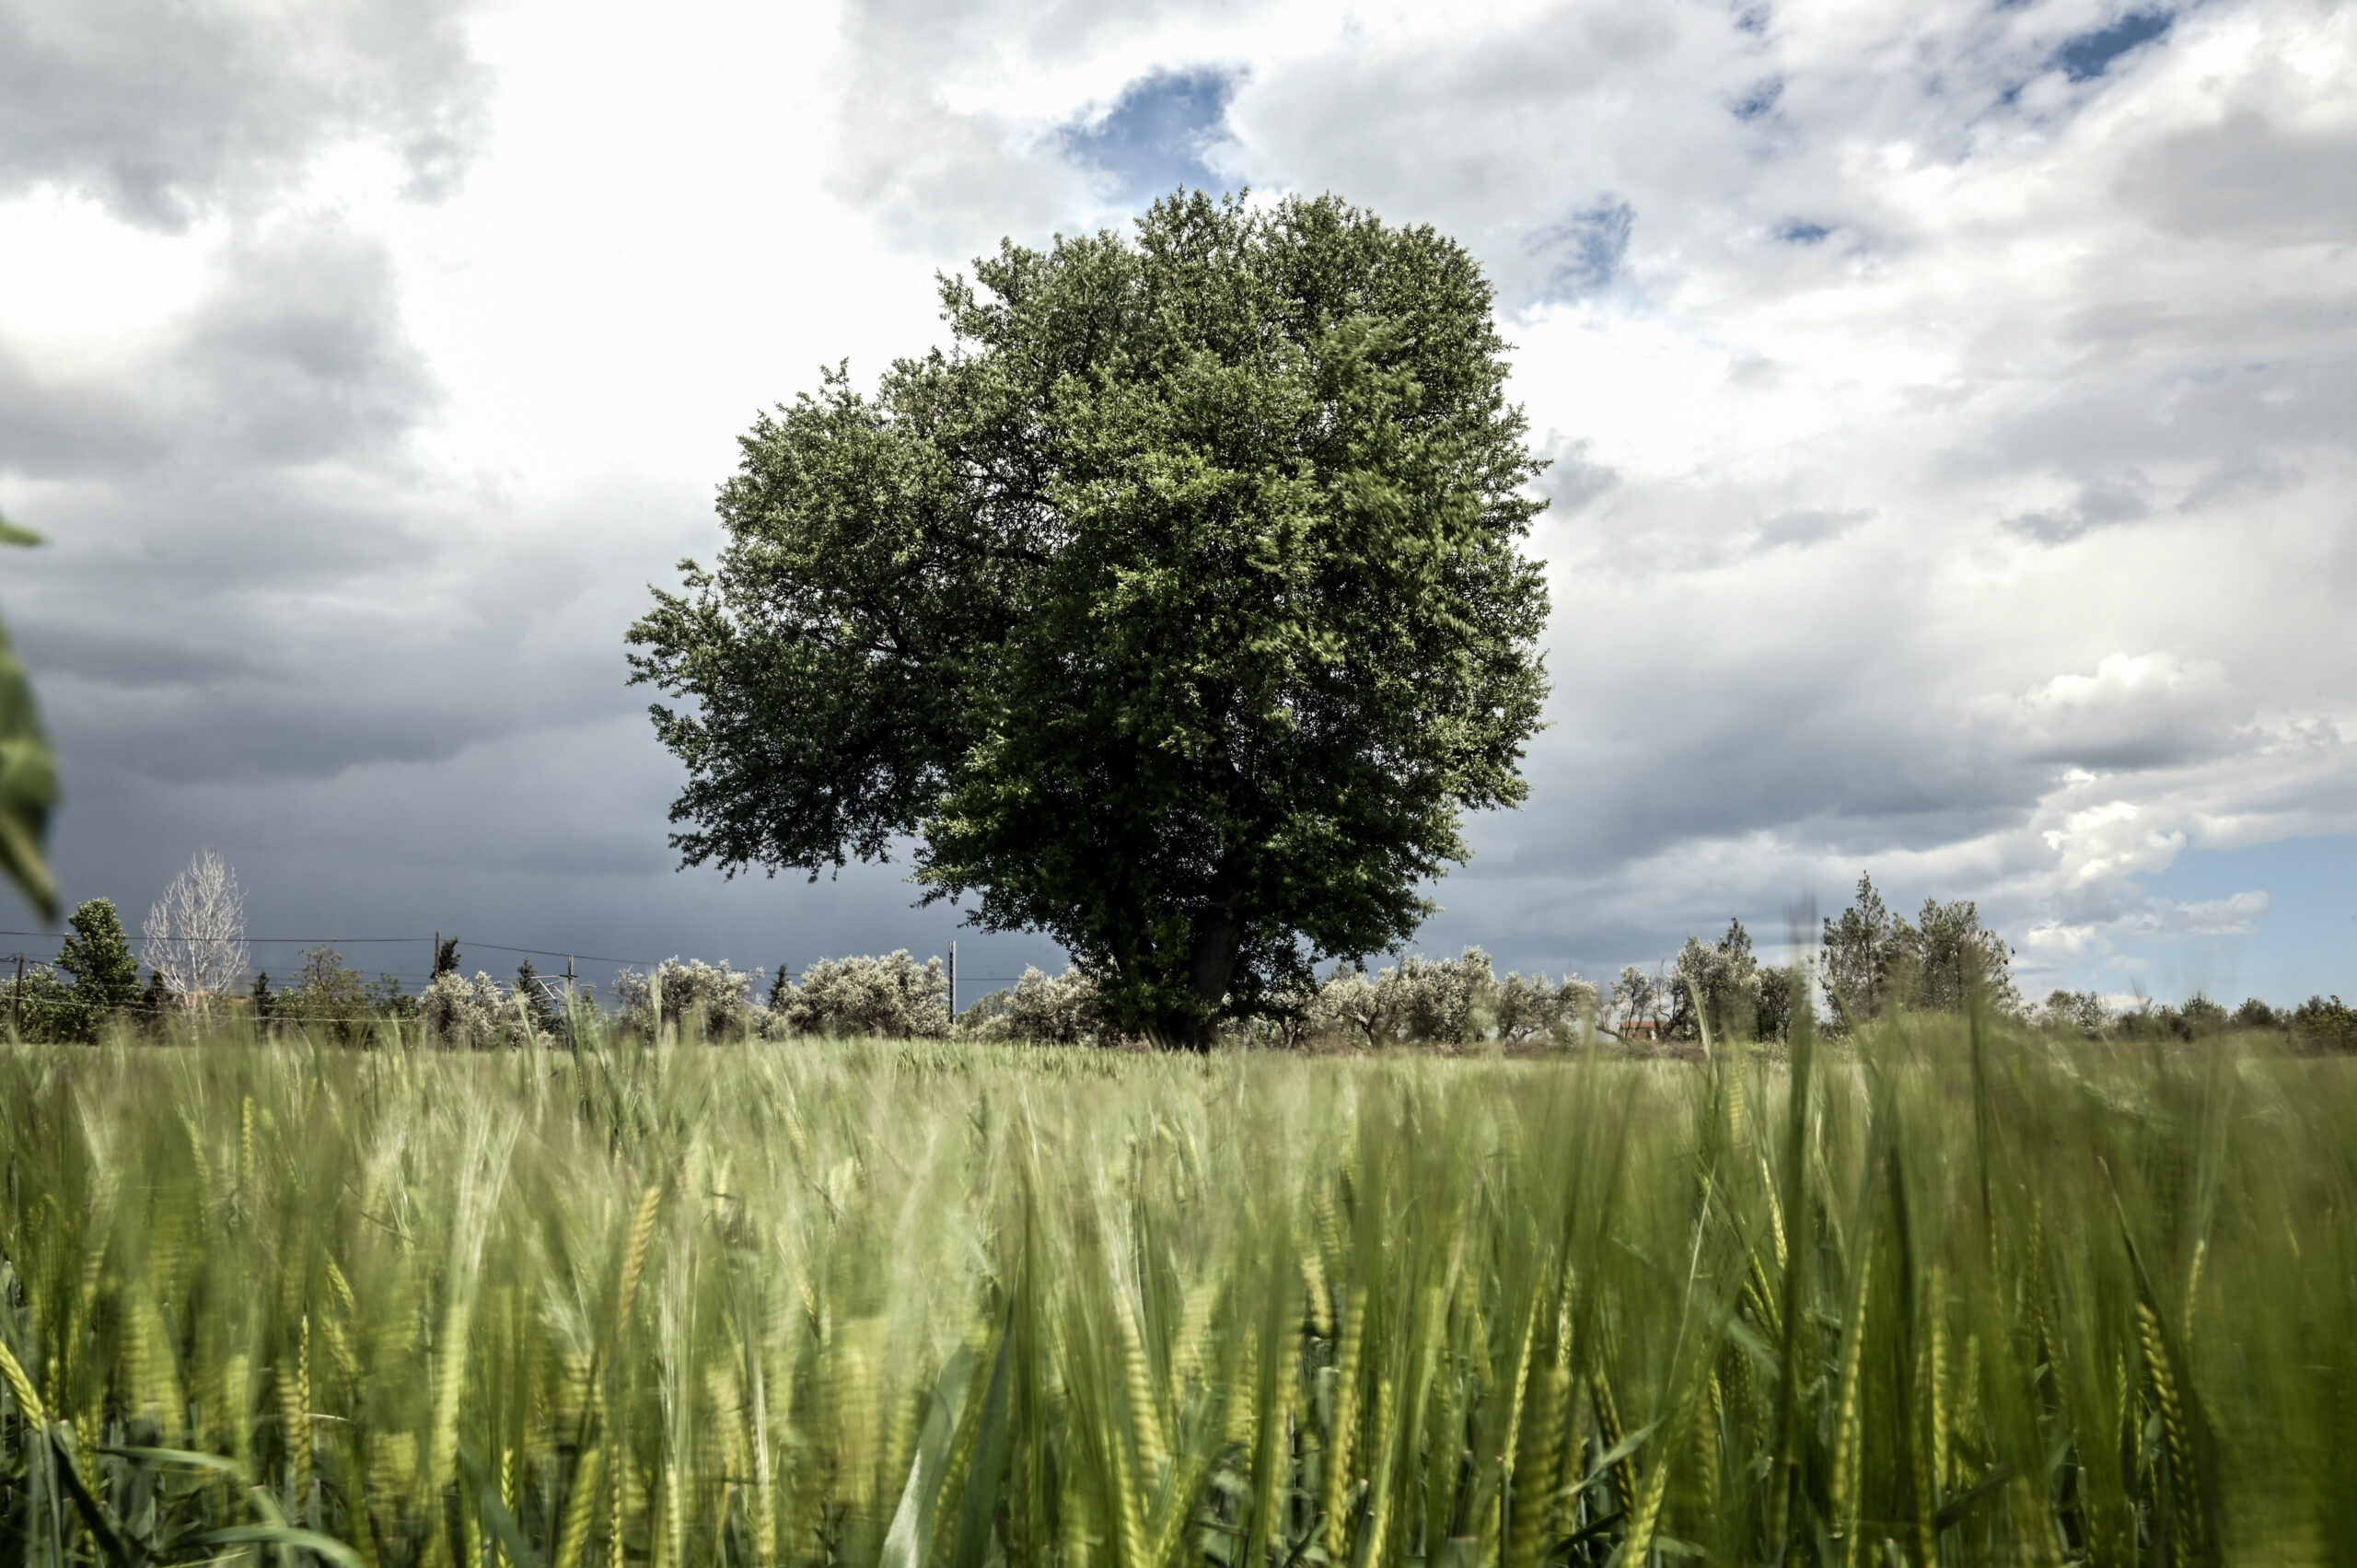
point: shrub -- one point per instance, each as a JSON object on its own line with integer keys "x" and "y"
{"x": 41, "y": 1006}
{"x": 893, "y": 996}
{"x": 711, "y": 999}
{"x": 474, "y": 1014}
{"x": 1038, "y": 1008}
{"x": 2254, "y": 1014}
{"x": 2321, "y": 1025}
{"x": 328, "y": 997}
{"x": 1451, "y": 1002}
{"x": 2075, "y": 1012}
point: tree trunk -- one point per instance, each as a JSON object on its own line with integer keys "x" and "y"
{"x": 1219, "y": 936}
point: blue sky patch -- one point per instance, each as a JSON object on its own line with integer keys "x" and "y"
{"x": 1590, "y": 245}
{"x": 1155, "y": 137}
{"x": 2090, "y": 54}
{"x": 1760, "y": 99}
{"x": 1801, "y": 233}
{"x": 2304, "y": 944}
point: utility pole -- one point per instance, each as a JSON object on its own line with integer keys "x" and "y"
{"x": 16, "y": 1003}
{"x": 953, "y": 977}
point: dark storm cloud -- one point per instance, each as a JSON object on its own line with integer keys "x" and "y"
{"x": 165, "y": 112}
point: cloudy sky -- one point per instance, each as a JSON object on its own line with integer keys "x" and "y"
{"x": 1951, "y": 409}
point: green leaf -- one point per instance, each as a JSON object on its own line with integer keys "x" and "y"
{"x": 908, "y": 1542}
{"x": 1619, "y": 1451}
{"x": 494, "y": 1512}
{"x": 312, "y": 1541}
{"x": 104, "y": 1527}
{"x": 1961, "y": 1503}
{"x": 28, "y": 772}
{"x": 988, "y": 1467}
{"x": 175, "y": 1456}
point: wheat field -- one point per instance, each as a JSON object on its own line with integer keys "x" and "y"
{"x": 1953, "y": 1296}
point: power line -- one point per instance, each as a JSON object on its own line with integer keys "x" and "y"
{"x": 551, "y": 953}
{"x": 347, "y": 941}
{"x": 491, "y": 946}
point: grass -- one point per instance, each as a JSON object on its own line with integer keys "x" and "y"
{"x": 1951, "y": 1298}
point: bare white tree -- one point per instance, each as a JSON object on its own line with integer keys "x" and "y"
{"x": 196, "y": 932}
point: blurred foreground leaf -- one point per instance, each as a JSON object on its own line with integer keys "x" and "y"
{"x": 27, "y": 770}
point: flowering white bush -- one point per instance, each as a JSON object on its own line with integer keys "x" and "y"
{"x": 1038, "y": 1008}
{"x": 1448, "y": 1002}
{"x": 713, "y": 998}
{"x": 474, "y": 1013}
{"x": 893, "y": 996}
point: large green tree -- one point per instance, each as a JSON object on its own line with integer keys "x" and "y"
{"x": 1176, "y": 609}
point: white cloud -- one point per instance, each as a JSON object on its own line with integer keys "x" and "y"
{"x": 1953, "y": 437}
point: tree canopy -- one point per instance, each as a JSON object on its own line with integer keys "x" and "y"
{"x": 1176, "y": 609}
{"x": 1874, "y": 960}
{"x": 104, "y": 972}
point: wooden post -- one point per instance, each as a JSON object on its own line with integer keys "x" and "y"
{"x": 16, "y": 1003}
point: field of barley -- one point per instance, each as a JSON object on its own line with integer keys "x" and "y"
{"x": 1947, "y": 1296}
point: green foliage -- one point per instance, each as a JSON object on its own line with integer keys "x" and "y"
{"x": 156, "y": 1002}
{"x": 43, "y": 1007}
{"x": 1721, "y": 983}
{"x": 1865, "y": 957}
{"x": 2254, "y": 1014}
{"x": 2076, "y": 1012}
{"x": 28, "y": 772}
{"x": 541, "y": 1015}
{"x": 1874, "y": 960}
{"x": 1784, "y": 991}
{"x": 2321, "y": 1025}
{"x": 1638, "y": 998}
{"x": 97, "y": 956}
{"x": 329, "y": 996}
{"x": 1178, "y": 610}
{"x": 1982, "y": 1299}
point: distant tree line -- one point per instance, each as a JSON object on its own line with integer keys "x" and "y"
{"x": 1870, "y": 963}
